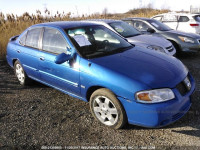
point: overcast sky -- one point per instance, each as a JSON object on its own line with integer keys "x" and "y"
{"x": 90, "y": 6}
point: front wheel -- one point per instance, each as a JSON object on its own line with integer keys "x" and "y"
{"x": 107, "y": 109}
{"x": 20, "y": 74}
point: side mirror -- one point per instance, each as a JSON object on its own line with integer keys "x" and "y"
{"x": 150, "y": 30}
{"x": 61, "y": 58}
{"x": 69, "y": 51}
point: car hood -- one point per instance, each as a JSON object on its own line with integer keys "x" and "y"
{"x": 149, "y": 40}
{"x": 192, "y": 35}
{"x": 156, "y": 70}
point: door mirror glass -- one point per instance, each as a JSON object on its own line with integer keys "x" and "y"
{"x": 150, "y": 30}
{"x": 61, "y": 58}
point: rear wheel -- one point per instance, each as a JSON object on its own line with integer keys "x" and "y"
{"x": 107, "y": 109}
{"x": 20, "y": 74}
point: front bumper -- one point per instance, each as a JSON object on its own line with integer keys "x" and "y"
{"x": 159, "y": 114}
{"x": 190, "y": 48}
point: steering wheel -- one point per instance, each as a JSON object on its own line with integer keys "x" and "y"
{"x": 104, "y": 46}
{"x": 105, "y": 43}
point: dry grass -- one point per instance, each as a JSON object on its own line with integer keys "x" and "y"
{"x": 14, "y": 25}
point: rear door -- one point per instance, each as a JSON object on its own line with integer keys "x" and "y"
{"x": 170, "y": 20}
{"x": 62, "y": 76}
{"x": 28, "y": 51}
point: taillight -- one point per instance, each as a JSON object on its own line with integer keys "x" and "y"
{"x": 194, "y": 25}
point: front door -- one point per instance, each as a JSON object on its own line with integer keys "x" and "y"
{"x": 62, "y": 76}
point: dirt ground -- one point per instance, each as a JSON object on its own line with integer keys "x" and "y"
{"x": 40, "y": 117}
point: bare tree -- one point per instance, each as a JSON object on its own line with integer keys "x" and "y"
{"x": 150, "y": 6}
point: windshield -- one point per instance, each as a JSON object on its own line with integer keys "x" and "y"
{"x": 97, "y": 41}
{"x": 124, "y": 29}
{"x": 158, "y": 25}
{"x": 197, "y": 18}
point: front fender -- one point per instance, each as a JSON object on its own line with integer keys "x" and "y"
{"x": 95, "y": 75}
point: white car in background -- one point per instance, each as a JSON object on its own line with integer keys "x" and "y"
{"x": 136, "y": 37}
{"x": 181, "y": 21}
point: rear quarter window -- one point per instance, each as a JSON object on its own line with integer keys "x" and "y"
{"x": 183, "y": 19}
{"x": 197, "y": 18}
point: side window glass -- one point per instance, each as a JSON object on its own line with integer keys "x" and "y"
{"x": 169, "y": 18}
{"x": 101, "y": 33}
{"x": 32, "y": 38}
{"x": 22, "y": 40}
{"x": 54, "y": 42}
{"x": 183, "y": 19}
{"x": 129, "y": 22}
{"x": 197, "y": 18}
{"x": 159, "y": 18}
{"x": 141, "y": 26}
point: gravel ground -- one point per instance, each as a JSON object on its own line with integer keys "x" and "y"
{"x": 40, "y": 117}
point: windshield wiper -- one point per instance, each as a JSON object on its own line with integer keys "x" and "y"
{"x": 167, "y": 30}
{"x": 105, "y": 53}
{"x": 122, "y": 49}
{"x": 132, "y": 35}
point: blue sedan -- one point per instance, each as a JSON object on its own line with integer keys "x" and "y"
{"x": 122, "y": 82}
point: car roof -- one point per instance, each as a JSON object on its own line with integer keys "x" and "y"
{"x": 138, "y": 18}
{"x": 179, "y": 14}
{"x": 102, "y": 20}
{"x": 65, "y": 24}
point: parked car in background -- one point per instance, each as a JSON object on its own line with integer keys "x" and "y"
{"x": 182, "y": 41}
{"x": 121, "y": 82}
{"x": 181, "y": 21}
{"x": 134, "y": 36}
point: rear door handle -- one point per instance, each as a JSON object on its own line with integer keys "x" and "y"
{"x": 42, "y": 58}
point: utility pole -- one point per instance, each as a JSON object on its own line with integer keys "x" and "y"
{"x": 77, "y": 11}
{"x": 140, "y": 3}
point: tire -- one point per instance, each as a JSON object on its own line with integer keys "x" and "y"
{"x": 178, "y": 50}
{"x": 106, "y": 108}
{"x": 20, "y": 74}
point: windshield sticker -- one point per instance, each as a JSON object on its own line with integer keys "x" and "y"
{"x": 81, "y": 40}
{"x": 155, "y": 25}
{"x": 119, "y": 29}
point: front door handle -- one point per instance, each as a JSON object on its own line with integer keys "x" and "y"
{"x": 42, "y": 58}
{"x": 18, "y": 51}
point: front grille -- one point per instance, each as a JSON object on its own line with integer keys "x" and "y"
{"x": 181, "y": 113}
{"x": 182, "y": 88}
{"x": 170, "y": 48}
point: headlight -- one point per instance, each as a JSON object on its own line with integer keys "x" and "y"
{"x": 186, "y": 68}
{"x": 156, "y": 48}
{"x": 186, "y": 39}
{"x": 155, "y": 96}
